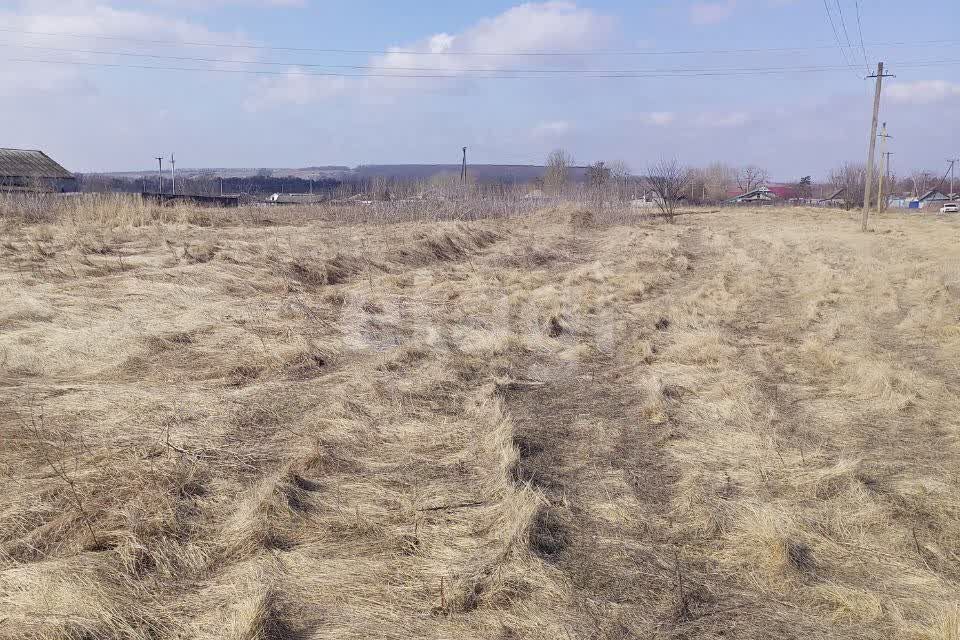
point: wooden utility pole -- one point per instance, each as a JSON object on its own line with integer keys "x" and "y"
{"x": 463, "y": 169}
{"x": 173, "y": 172}
{"x": 881, "y": 205}
{"x": 873, "y": 146}
{"x": 886, "y": 165}
{"x": 160, "y": 174}
{"x": 953, "y": 164}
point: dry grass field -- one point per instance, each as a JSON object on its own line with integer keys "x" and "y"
{"x": 259, "y": 426}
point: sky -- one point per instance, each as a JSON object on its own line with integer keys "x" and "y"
{"x": 292, "y": 83}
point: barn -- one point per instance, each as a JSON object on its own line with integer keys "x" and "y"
{"x": 33, "y": 171}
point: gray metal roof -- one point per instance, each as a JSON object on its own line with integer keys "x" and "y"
{"x": 20, "y": 163}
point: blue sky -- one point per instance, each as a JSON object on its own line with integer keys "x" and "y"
{"x": 95, "y": 117}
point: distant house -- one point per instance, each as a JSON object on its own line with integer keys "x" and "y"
{"x": 33, "y": 171}
{"x": 648, "y": 201}
{"x": 785, "y": 192}
{"x": 836, "y": 199}
{"x": 765, "y": 195}
{"x": 899, "y": 202}
{"x": 760, "y": 195}
{"x": 932, "y": 198}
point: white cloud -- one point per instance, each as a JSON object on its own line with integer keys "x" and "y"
{"x": 295, "y": 87}
{"x": 712, "y": 12}
{"x": 87, "y": 18}
{"x": 557, "y": 25}
{"x": 704, "y": 119}
{"x": 526, "y": 28}
{"x": 205, "y": 4}
{"x": 552, "y": 129}
{"x": 923, "y": 91}
{"x": 723, "y": 120}
{"x": 659, "y": 118}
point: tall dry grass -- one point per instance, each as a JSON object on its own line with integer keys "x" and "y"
{"x": 286, "y": 423}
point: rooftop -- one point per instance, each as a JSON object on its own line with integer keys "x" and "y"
{"x": 22, "y": 163}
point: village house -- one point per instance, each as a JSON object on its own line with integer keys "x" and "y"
{"x": 24, "y": 170}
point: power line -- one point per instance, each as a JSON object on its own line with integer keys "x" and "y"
{"x": 260, "y": 72}
{"x": 581, "y": 53}
{"x": 836, "y": 36}
{"x": 450, "y": 70}
{"x": 860, "y": 31}
{"x": 846, "y": 35}
{"x": 843, "y": 23}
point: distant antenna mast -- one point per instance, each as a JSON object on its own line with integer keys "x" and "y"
{"x": 160, "y": 174}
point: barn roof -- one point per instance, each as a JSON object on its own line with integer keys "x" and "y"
{"x": 933, "y": 194}
{"x": 836, "y": 194}
{"x": 21, "y": 163}
{"x": 784, "y": 191}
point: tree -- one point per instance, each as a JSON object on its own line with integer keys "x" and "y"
{"x": 851, "y": 178}
{"x": 557, "y": 175}
{"x": 621, "y": 177}
{"x": 598, "y": 175}
{"x": 923, "y": 181}
{"x": 719, "y": 179}
{"x": 697, "y": 184}
{"x": 805, "y": 187}
{"x": 668, "y": 180}
{"x": 751, "y": 177}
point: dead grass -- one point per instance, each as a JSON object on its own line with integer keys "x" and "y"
{"x": 740, "y": 425}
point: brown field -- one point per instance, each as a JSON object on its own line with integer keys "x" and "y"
{"x": 741, "y": 425}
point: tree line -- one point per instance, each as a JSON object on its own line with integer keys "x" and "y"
{"x": 664, "y": 183}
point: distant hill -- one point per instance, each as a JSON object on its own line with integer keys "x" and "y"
{"x": 516, "y": 173}
{"x": 510, "y": 173}
{"x": 317, "y": 173}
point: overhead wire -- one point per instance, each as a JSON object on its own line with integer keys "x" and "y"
{"x": 490, "y": 76}
{"x": 836, "y": 36}
{"x": 451, "y": 70}
{"x": 863, "y": 48}
{"x": 843, "y": 24}
{"x": 398, "y": 51}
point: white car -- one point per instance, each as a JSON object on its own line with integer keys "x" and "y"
{"x": 951, "y": 207}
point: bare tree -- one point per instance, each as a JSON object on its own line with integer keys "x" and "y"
{"x": 598, "y": 175}
{"x": 697, "y": 184}
{"x": 751, "y": 177}
{"x": 668, "y": 180}
{"x": 620, "y": 176}
{"x": 557, "y": 176}
{"x": 923, "y": 181}
{"x": 720, "y": 179}
{"x": 851, "y": 178}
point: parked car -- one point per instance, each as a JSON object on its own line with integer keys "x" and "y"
{"x": 950, "y": 207}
